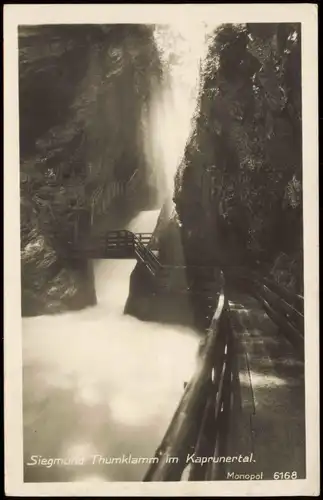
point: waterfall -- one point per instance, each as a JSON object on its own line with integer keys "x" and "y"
{"x": 168, "y": 120}
{"x": 97, "y": 381}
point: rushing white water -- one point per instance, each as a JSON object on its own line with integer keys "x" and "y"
{"x": 96, "y": 381}
{"x": 168, "y": 120}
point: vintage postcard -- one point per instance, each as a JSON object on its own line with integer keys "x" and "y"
{"x": 161, "y": 250}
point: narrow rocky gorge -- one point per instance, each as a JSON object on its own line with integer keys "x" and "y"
{"x": 196, "y": 141}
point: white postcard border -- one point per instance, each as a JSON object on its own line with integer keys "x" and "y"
{"x": 157, "y": 13}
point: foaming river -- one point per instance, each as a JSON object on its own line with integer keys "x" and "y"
{"x": 98, "y": 383}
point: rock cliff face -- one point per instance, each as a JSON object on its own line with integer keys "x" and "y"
{"x": 82, "y": 93}
{"x": 238, "y": 191}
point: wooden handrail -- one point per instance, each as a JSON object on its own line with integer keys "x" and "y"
{"x": 285, "y": 308}
{"x": 146, "y": 256}
{"x": 297, "y": 301}
{"x": 292, "y": 333}
{"x": 183, "y": 430}
{"x": 294, "y": 300}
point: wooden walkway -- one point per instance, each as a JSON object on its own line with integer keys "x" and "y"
{"x": 268, "y": 401}
{"x": 246, "y": 398}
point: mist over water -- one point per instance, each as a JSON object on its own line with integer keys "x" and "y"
{"x": 97, "y": 381}
{"x": 168, "y": 121}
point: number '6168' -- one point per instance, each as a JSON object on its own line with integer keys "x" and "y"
{"x": 285, "y": 475}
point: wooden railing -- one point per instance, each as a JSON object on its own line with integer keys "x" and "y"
{"x": 296, "y": 301}
{"x": 190, "y": 431}
{"x": 144, "y": 254}
{"x": 285, "y": 308}
{"x": 115, "y": 244}
{"x": 143, "y": 238}
{"x": 289, "y": 320}
{"x": 125, "y": 244}
{"x": 292, "y": 315}
{"x": 199, "y": 424}
{"x": 116, "y": 241}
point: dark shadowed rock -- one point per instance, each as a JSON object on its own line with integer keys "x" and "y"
{"x": 82, "y": 90}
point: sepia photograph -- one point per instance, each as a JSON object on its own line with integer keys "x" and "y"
{"x": 162, "y": 279}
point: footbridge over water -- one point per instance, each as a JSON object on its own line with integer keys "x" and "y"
{"x": 121, "y": 244}
{"x": 249, "y": 370}
{"x": 124, "y": 244}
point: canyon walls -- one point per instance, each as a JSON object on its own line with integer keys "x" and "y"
{"x": 237, "y": 199}
{"x": 82, "y": 93}
{"x": 238, "y": 190}
{"x": 95, "y": 110}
